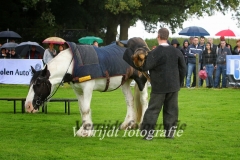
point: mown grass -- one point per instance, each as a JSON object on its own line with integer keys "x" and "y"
{"x": 212, "y": 117}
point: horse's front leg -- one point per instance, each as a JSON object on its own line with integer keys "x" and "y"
{"x": 84, "y": 101}
{"x": 130, "y": 119}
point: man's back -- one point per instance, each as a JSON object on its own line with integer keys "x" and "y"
{"x": 167, "y": 69}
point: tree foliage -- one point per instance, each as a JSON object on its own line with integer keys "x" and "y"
{"x": 101, "y": 18}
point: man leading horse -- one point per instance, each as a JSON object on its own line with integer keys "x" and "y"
{"x": 167, "y": 70}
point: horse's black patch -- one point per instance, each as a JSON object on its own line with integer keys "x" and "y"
{"x": 41, "y": 86}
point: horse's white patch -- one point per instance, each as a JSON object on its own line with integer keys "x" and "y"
{"x": 29, "y": 99}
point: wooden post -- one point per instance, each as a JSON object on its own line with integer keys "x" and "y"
{"x": 197, "y": 69}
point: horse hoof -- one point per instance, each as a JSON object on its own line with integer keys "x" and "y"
{"x": 130, "y": 125}
{"x": 84, "y": 133}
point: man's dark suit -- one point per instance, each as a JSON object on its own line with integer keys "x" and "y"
{"x": 167, "y": 69}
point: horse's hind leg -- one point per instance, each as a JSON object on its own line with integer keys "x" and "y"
{"x": 130, "y": 119}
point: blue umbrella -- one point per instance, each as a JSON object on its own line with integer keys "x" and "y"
{"x": 194, "y": 31}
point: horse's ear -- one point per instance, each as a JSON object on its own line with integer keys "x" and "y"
{"x": 121, "y": 44}
{"x": 33, "y": 70}
{"x": 45, "y": 72}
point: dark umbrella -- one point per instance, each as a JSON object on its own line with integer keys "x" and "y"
{"x": 194, "y": 31}
{"x": 9, "y": 45}
{"x": 23, "y": 48}
{"x": 9, "y": 34}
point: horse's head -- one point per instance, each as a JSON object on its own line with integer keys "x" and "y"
{"x": 139, "y": 56}
{"x": 138, "y": 48}
{"x": 39, "y": 89}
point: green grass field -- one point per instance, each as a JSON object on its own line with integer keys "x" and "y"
{"x": 212, "y": 117}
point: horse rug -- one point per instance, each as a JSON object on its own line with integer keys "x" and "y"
{"x": 97, "y": 62}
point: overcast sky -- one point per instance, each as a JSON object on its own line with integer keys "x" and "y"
{"x": 212, "y": 24}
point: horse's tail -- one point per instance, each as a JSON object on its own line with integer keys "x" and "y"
{"x": 140, "y": 102}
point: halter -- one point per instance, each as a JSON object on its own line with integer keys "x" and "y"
{"x": 39, "y": 100}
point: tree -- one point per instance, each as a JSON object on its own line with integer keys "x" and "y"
{"x": 101, "y": 18}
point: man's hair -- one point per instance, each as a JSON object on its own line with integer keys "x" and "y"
{"x": 196, "y": 37}
{"x": 202, "y": 37}
{"x": 163, "y": 33}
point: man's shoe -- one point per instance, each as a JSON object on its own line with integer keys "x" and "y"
{"x": 148, "y": 137}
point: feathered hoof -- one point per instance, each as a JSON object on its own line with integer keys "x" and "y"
{"x": 84, "y": 132}
{"x": 128, "y": 126}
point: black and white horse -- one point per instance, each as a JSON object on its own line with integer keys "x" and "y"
{"x": 45, "y": 82}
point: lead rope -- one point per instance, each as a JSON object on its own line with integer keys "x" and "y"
{"x": 58, "y": 85}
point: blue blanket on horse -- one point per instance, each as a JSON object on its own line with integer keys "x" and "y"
{"x": 98, "y": 62}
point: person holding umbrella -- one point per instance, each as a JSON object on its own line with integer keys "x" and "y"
{"x": 49, "y": 53}
{"x": 34, "y": 54}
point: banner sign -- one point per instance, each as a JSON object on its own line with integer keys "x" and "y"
{"x": 18, "y": 71}
{"x": 233, "y": 70}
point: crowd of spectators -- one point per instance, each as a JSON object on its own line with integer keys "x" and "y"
{"x": 10, "y": 53}
{"x": 212, "y": 59}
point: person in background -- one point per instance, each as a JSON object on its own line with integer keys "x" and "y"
{"x": 7, "y": 52}
{"x": 236, "y": 49}
{"x": 3, "y": 53}
{"x": 202, "y": 45}
{"x": 49, "y": 53}
{"x": 214, "y": 49}
{"x": 184, "y": 51}
{"x": 33, "y": 54}
{"x": 191, "y": 40}
{"x": 209, "y": 61}
{"x": 60, "y": 48}
{"x": 14, "y": 55}
{"x": 223, "y": 51}
{"x": 202, "y": 42}
{"x": 95, "y": 43}
{"x": 193, "y": 50}
{"x": 213, "y": 46}
{"x": 175, "y": 44}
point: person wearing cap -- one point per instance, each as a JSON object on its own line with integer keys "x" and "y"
{"x": 49, "y": 53}
{"x": 236, "y": 50}
{"x": 223, "y": 51}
